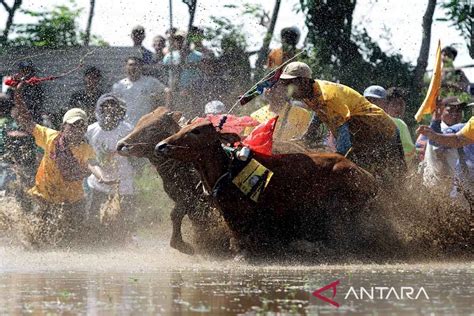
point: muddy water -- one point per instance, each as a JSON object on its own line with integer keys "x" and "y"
{"x": 149, "y": 278}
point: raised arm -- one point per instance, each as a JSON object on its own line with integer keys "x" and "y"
{"x": 20, "y": 112}
{"x": 447, "y": 140}
{"x": 435, "y": 136}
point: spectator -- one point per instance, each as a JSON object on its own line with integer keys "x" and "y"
{"x": 462, "y": 138}
{"x": 142, "y": 94}
{"x": 159, "y": 44}
{"x": 171, "y": 32}
{"x": 169, "y": 35}
{"x": 86, "y": 98}
{"x": 393, "y": 103}
{"x": 67, "y": 159}
{"x": 188, "y": 73}
{"x": 440, "y": 161}
{"x": 33, "y": 95}
{"x": 453, "y": 80}
{"x": 464, "y": 168}
{"x": 290, "y": 37}
{"x": 196, "y": 37}
{"x": 103, "y": 136}
{"x": 156, "y": 69}
{"x": 138, "y": 36}
{"x": 24, "y": 150}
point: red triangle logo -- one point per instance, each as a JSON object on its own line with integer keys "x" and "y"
{"x": 332, "y": 286}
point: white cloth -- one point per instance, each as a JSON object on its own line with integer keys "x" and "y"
{"x": 439, "y": 164}
{"x": 138, "y": 96}
{"x": 113, "y": 166}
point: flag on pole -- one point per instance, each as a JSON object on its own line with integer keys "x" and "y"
{"x": 429, "y": 104}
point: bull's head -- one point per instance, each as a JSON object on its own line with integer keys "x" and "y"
{"x": 193, "y": 141}
{"x": 150, "y": 129}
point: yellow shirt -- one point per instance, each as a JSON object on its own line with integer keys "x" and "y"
{"x": 468, "y": 130}
{"x": 275, "y": 57}
{"x": 335, "y": 104}
{"x": 292, "y": 123}
{"x": 49, "y": 183}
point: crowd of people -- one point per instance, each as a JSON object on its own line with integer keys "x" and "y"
{"x": 75, "y": 165}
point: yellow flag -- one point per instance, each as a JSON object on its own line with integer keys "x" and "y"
{"x": 429, "y": 104}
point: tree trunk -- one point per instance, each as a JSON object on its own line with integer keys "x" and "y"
{"x": 471, "y": 46}
{"x": 192, "y": 4}
{"x": 11, "y": 13}
{"x": 89, "y": 24}
{"x": 422, "y": 61}
{"x": 263, "y": 53}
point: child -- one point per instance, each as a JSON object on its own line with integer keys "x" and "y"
{"x": 103, "y": 136}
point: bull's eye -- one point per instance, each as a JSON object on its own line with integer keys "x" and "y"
{"x": 195, "y": 132}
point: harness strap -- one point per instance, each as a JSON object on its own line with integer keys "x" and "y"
{"x": 215, "y": 188}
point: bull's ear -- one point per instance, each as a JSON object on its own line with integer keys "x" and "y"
{"x": 229, "y": 138}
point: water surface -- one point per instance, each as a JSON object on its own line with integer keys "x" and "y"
{"x": 153, "y": 279}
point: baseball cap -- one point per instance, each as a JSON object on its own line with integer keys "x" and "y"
{"x": 376, "y": 92}
{"x": 296, "y": 69}
{"x": 214, "y": 107}
{"x": 74, "y": 115}
{"x": 453, "y": 101}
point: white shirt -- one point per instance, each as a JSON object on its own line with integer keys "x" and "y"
{"x": 138, "y": 96}
{"x": 439, "y": 163}
{"x": 113, "y": 165}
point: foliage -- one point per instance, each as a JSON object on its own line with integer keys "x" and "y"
{"x": 223, "y": 28}
{"x": 343, "y": 53}
{"x": 460, "y": 13}
{"x": 53, "y": 29}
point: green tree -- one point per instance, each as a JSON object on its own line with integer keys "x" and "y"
{"x": 343, "y": 53}
{"x": 54, "y": 29}
{"x": 11, "y": 10}
{"x": 461, "y": 14}
{"x": 223, "y": 28}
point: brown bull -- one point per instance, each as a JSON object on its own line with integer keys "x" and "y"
{"x": 180, "y": 179}
{"x": 302, "y": 184}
